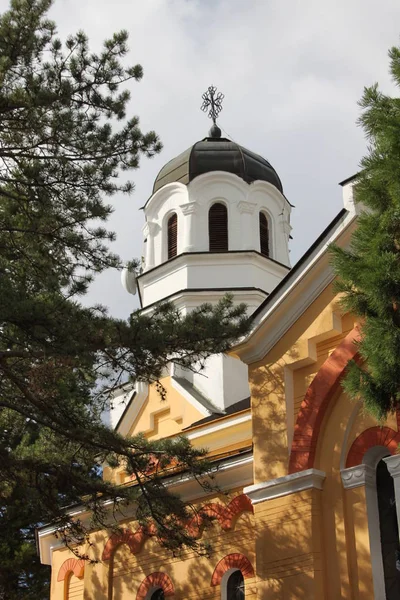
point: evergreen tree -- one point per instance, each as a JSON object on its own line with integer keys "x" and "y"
{"x": 64, "y": 141}
{"x": 369, "y": 272}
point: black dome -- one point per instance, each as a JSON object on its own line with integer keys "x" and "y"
{"x": 217, "y": 154}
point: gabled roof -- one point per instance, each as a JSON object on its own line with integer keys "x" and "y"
{"x": 231, "y": 410}
{"x": 297, "y": 290}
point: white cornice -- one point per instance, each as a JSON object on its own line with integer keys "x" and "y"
{"x": 295, "y": 296}
{"x": 205, "y": 259}
{"x": 133, "y": 408}
{"x": 282, "y": 486}
{"x": 230, "y": 473}
{"x": 218, "y": 425}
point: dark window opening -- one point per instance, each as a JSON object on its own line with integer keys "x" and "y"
{"x": 235, "y": 586}
{"x": 218, "y": 228}
{"x": 389, "y": 531}
{"x": 172, "y": 236}
{"x": 264, "y": 235}
{"x": 158, "y": 595}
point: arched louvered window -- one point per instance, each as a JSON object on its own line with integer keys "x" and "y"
{"x": 264, "y": 235}
{"x": 172, "y": 236}
{"x": 235, "y": 586}
{"x": 218, "y": 228}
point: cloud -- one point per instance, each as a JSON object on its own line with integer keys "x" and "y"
{"x": 291, "y": 71}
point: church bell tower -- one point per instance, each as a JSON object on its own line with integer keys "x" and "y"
{"x": 217, "y": 222}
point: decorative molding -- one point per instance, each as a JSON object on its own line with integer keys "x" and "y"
{"x": 189, "y": 207}
{"x": 153, "y": 582}
{"x": 316, "y": 402}
{"x": 371, "y": 437}
{"x": 71, "y": 565}
{"x": 234, "y": 472}
{"x": 153, "y": 227}
{"x": 349, "y": 428}
{"x": 282, "y": 486}
{"x": 360, "y": 475}
{"x": 226, "y": 516}
{"x": 232, "y": 561}
{"x": 210, "y": 271}
{"x": 246, "y": 207}
{"x": 393, "y": 465}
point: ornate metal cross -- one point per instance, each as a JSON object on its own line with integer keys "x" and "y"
{"x": 212, "y": 102}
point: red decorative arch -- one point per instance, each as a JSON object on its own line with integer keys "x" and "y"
{"x": 232, "y": 561}
{"x": 316, "y": 402}
{"x": 226, "y": 515}
{"x": 74, "y": 565}
{"x": 155, "y": 580}
{"x": 135, "y": 542}
{"x": 374, "y": 436}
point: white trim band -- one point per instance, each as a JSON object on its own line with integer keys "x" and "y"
{"x": 282, "y": 486}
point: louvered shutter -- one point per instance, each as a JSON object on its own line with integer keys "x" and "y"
{"x": 74, "y": 588}
{"x": 218, "y": 228}
{"x": 172, "y": 236}
{"x": 264, "y": 235}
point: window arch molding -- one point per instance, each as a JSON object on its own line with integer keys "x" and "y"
{"x": 218, "y": 219}
{"x": 154, "y": 582}
{"x": 232, "y": 562}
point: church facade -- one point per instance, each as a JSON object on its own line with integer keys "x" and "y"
{"x": 308, "y": 483}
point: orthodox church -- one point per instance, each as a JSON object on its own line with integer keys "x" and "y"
{"x": 309, "y": 484}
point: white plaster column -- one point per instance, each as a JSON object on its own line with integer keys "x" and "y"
{"x": 248, "y": 239}
{"x": 149, "y": 231}
{"x": 393, "y": 465}
{"x": 286, "y": 229}
{"x": 364, "y": 475}
{"x": 189, "y": 230}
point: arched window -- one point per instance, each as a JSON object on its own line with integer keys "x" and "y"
{"x": 218, "y": 228}
{"x": 389, "y": 532}
{"x": 264, "y": 235}
{"x": 235, "y": 586}
{"x": 172, "y": 236}
{"x": 157, "y": 595}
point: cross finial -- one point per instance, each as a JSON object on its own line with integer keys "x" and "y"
{"x": 212, "y": 103}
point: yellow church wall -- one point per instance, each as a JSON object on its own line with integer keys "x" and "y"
{"x": 165, "y": 417}
{"x": 344, "y": 511}
{"x": 290, "y": 561}
{"x": 289, "y": 547}
{"x": 300, "y": 352}
{"x": 70, "y": 587}
{"x": 120, "y": 578}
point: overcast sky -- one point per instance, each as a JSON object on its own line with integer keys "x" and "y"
{"x": 292, "y": 72}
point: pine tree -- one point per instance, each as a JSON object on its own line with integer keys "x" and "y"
{"x": 64, "y": 141}
{"x": 369, "y": 272}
